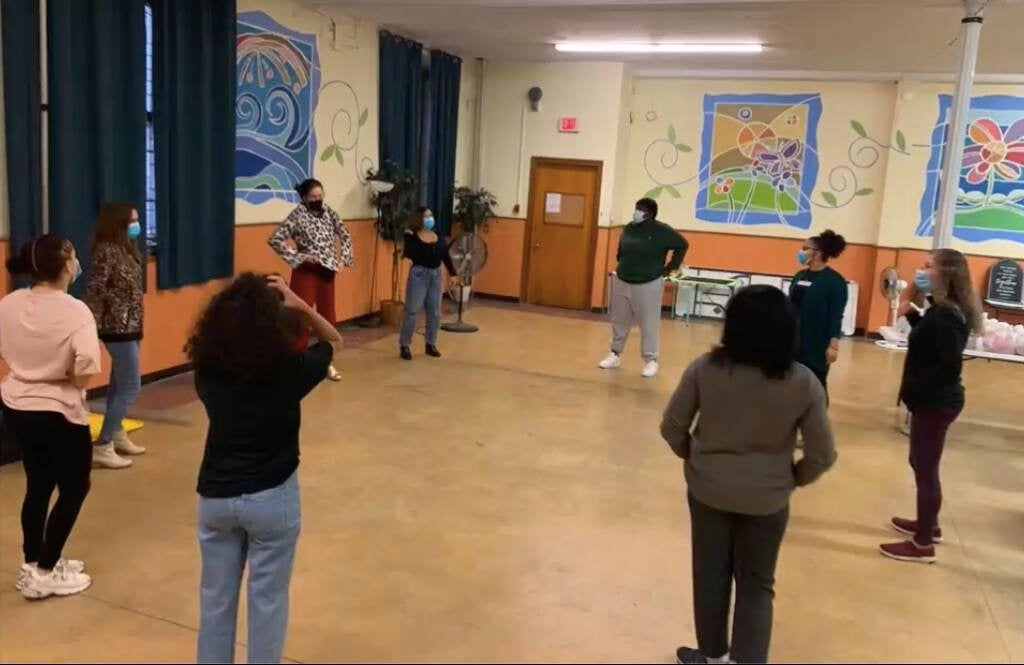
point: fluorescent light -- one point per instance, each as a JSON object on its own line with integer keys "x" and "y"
{"x": 637, "y": 47}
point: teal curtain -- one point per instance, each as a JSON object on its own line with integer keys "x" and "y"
{"x": 23, "y": 116}
{"x": 194, "y": 136}
{"x": 96, "y": 59}
{"x": 445, "y": 77}
{"x": 401, "y": 101}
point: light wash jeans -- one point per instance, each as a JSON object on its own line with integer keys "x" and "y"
{"x": 262, "y": 529}
{"x": 125, "y": 384}
{"x": 422, "y": 289}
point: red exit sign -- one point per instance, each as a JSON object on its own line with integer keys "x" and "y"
{"x": 568, "y": 125}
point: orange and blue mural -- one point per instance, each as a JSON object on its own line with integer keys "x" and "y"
{"x": 759, "y": 159}
{"x": 278, "y": 85}
{"x": 990, "y": 196}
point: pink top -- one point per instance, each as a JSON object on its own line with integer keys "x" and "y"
{"x": 46, "y": 337}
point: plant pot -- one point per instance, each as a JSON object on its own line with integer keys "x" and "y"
{"x": 391, "y": 312}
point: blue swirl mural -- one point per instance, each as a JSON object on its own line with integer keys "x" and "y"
{"x": 278, "y": 85}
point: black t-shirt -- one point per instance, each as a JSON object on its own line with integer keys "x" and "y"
{"x": 427, "y": 254}
{"x": 253, "y": 441}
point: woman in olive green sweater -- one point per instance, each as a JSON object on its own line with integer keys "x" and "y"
{"x": 819, "y": 295}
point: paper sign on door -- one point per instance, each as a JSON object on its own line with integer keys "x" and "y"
{"x": 553, "y": 203}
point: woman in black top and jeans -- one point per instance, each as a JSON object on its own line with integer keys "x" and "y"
{"x": 427, "y": 252}
{"x": 932, "y": 389}
{"x": 251, "y": 381}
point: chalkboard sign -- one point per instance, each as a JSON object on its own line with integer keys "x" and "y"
{"x": 1005, "y": 281}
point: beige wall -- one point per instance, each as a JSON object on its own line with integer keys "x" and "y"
{"x": 469, "y": 98}
{"x": 590, "y": 91}
{"x": 355, "y": 63}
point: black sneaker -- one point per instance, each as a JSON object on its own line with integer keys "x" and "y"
{"x": 432, "y": 351}
{"x": 406, "y": 353}
{"x": 688, "y": 656}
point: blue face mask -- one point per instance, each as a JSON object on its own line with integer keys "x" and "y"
{"x": 134, "y": 230}
{"x": 639, "y": 216}
{"x": 428, "y": 223}
{"x": 76, "y": 272}
{"x": 801, "y": 257}
{"x": 923, "y": 280}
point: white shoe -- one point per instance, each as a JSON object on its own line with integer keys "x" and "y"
{"x": 105, "y": 457}
{"x": 612, "y": 361}
{"x": 333, "y": 374}
{"x": 651, "y": 369}
{"x": 74, "y": 565}
{"x": 125, "y": 446}
{"x": 61, "y": 581}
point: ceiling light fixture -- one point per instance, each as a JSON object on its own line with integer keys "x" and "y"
{"x": 638, "y": 47}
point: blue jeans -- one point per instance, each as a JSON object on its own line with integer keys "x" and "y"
{"x": 423, "y": 288}
{"x": 125, "y": 384}
{"x": 262, "y": 529}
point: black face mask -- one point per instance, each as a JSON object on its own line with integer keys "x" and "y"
{"x": 315, "y": 206}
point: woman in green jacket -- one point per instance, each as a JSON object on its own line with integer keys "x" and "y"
{"x": 819, "y": 295}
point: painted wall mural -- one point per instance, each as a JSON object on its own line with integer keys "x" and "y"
{"x": 760, "y": 154}
{"x": 278, "y": 88}
{"x": 990, "y": 198}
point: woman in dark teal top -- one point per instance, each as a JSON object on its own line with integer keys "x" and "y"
{"x": 819, "y": 295}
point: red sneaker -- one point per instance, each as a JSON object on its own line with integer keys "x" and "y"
{"x": 908, "y": 550}
{"x": 909, "y": 528}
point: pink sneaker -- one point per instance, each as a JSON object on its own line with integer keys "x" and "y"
{"x": 910, "y": 551}
{"x": 909, "y": 528}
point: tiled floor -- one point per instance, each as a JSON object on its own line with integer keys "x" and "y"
{"x": 510, "y": 502}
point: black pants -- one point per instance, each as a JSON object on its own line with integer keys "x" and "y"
{"x": 744, "y": 548}
{"x": 56, "y": 455}
{"x": 823, "y": 378}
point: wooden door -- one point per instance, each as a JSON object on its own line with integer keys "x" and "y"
{"x": 562, "y": 232}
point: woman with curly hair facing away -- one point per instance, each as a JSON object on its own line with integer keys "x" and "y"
{"x": 251, "y": 381}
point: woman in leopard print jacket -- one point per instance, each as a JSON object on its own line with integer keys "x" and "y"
{"x": 114, "y": 294}
{"x": 305, "y": 240}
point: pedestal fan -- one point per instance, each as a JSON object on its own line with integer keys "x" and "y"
{"x": 469, "y": 254}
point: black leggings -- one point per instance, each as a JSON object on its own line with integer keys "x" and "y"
{"x": 56, "y": 455}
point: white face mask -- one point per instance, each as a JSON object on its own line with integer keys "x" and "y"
{"x": 638, "y": 216}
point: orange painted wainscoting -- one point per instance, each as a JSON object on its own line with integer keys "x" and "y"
{"x": 171, "y": 314}
{"x": 860, "y": 263}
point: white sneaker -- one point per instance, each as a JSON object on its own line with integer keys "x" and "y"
{"x": 61, "y": 581}
{"x": 74, "y": 565}
{"x": 333, "y": 374}
{"x": 651, "y": 369}
{"x": 125, "y": 446}
{"x": 611, "y": 361}
{"x": 105, "y": 457}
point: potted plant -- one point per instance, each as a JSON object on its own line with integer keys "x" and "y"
{"x": 395, "y": 207}
{"x": 474, "y": 209}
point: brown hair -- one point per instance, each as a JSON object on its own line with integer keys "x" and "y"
{"x": 953, "y": 285}
{"x": 416, "y": 220}
{"x": 111, "y": 227}
{"x": 42, "y": 259}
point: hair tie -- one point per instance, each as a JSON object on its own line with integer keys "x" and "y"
{"x": 35, "y": 269}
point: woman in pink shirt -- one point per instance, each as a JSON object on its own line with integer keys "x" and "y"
{"x": 49, "y": 341}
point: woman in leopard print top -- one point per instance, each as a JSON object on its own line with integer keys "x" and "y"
{"x": 114, "y": 294}
{"x": 306, "y": 241}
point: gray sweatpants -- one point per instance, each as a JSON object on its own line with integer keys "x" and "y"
{"x": 640, "y": 304}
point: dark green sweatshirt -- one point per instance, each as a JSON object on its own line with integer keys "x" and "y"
{"x": 643, "y": 251}
{"x": 820, "y": 301}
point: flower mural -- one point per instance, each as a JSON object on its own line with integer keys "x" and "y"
{"x": 759, "y": 159}
{"x": 990, "y": 193}
{"x": 992, "y": 153}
